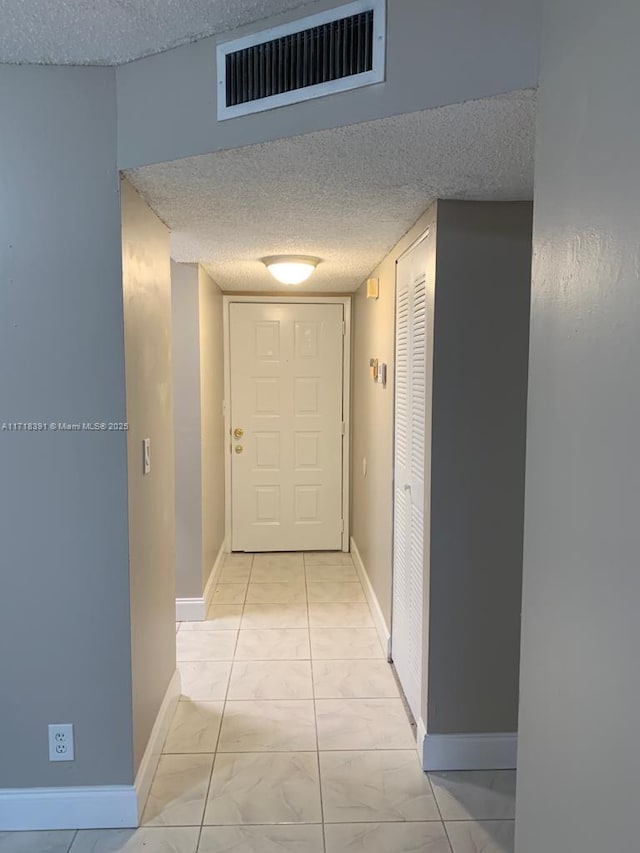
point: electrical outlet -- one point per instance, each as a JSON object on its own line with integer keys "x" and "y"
{"x": 61, "y": 742}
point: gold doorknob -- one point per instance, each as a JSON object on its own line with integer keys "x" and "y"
{"x": 239, "y": 448}
{"x": 238, "y": 433}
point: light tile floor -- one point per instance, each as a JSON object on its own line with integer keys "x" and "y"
{"x": 291, "y": 735}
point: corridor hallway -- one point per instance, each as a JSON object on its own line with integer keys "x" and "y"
{"x": 291, "y": 735}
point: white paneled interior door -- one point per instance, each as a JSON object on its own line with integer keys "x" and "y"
{"x": 412, "y": 446}
{"x": 286, "y": 383}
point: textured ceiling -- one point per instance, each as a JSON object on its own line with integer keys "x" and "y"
{"x": 344, "y": 195}
{"x": 110, "y": 32}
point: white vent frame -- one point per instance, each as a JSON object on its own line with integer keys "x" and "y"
{"x": 354, "y": 81}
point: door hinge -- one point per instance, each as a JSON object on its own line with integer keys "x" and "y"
{"x": 342, "y": 525}
{"x": 343, "y": 428}
{"x": 344, "y": 328}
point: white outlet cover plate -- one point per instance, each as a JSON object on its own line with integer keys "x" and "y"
{"x": 61, "y": 742}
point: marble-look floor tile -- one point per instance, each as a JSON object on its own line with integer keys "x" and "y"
{"x": 335, "y": 591}
{"x": 229, "y": 593}
{"x": 274, "y": 616}
{"x": 194, "y": 727}
{"x": 205, "y": 645}
{"x": 303, "y": 838}
{"x": 268, "y": 726}
{"x": 375, "y": 786}
{"x": 475, "y": 794}
{"x": 204, "y": 681}
{"x": 178, "y": 791}
{"x": 285, "y": 573}
{"x": 273, "y": 644}
{"x": 277, "y": 593}
{"x": 349, "y": 679}
{"x": 235, "y": 574}
{"x": 331, "y": 573}
{"x": 327, "y": 558}
{"x": 238, "y": 559}
{"x": 264, "y": 789}
{"x": 363, "y": 724}
{"x": 342, "y": 643}
{"x": 289, "y": 679}
{"x": 220, "y": 617}
{"x": 36, "y": 842}
{"x": 340, "y": 615}
{"x": 487, "y": 836}
{"x": 183, "y": 839}
{"x": 387, "y": 838}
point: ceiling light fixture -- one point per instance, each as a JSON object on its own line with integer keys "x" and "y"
{"x": 290, "y": 269}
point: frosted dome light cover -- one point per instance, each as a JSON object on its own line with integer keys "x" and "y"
{"x": 290, "y": 269}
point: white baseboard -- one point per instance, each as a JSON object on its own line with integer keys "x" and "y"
{"x": 107, "y": 807}
{"x": 195, "y": 609}
{"x": 421, "y": 734}
{"x": 191, "y": 610}
{"x": 213, "y": 577}
{"x": 149, "y": 763}
{"x": 87, "y": 807}
{"x": 372, "y": 599}
{"x": 467, "y": 751}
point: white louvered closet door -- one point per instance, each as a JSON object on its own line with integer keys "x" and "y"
{"x": 413, "y": 386}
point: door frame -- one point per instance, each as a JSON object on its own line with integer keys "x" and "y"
{"x": 345, "y": 301}
{"x": 413, "y": 245}
{"x": 424, "y": 673}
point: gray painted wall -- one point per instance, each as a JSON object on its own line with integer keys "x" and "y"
{"x": 212, "y": 420}
{"x": 64, "y": 602}
{"x": 147, "y": 317}
{"x": 198, "y": 370}
{"x": 438, "y": 53}
{"x": 580, "y": 684}
{"x": 185, "y": 307}
{"x": 483, "y": 261}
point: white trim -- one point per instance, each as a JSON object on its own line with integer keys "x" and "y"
{"x": 213, "y": 577}
{"x": 421, "y": 736}
{"x": 426, "y": 532}
{"x": 467, "y": 752}
{"x": 195, "y": 609}
{"x": 345, "y": 301}
{"x": 191, "y": 610}
{"x": 372, "y": 599}
{"x": 226, "y": 405}
{"x": 107, "y": 807}
{"x": 414, "y": 245}
{"x": 346, "y": 425}
{"x": 355, "y": 81}
{"x": 149, "y": 763}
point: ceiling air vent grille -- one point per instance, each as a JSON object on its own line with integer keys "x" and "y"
{"x": 326, "y": 53}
